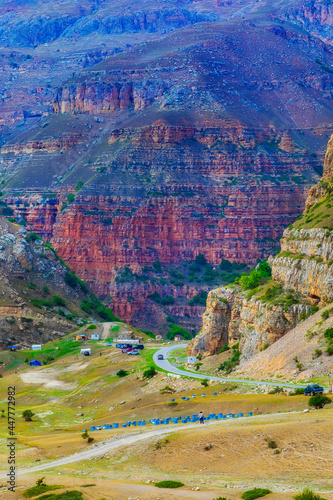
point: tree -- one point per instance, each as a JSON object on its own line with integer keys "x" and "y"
{"x": 27, "y": 415}
{"x": 319, "y": 401}
{"x": 40, "y": 481}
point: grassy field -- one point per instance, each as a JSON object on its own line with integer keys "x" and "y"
{"x": 74, "y": 392}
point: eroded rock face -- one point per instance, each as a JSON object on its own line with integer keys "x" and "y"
{"x": 107, "y": 97}
{"x": 306, "y": 263}
{"x": 216, "y": 320}
{"x": 231, "y": 318}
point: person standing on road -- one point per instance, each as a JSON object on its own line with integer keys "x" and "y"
{"x": 201, "y": 417}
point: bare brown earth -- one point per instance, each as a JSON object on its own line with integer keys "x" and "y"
{"x": 278, "y": 360}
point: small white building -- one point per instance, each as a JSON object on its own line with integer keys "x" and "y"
{"x": 191, "y": 359}
{"x": 36, "y": 347}
{"x": 94, "y": 336}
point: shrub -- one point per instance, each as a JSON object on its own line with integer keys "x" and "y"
{"x": 90, "y": 439}
{"x": 319, "y": 401}
{"x": 169, "y": 484}
{"x": 149, "y": 373}
{"x": 317, "y": 353}
{"x": 199, "y": 299}
{"x": 307, "y": 494}
{"x": 229, "y": 365}
{"x": 70, "y": 197}
{"x": 32, "y": 237}
{"x": 67, "y": 495}
{"x": 325, "y": 314}
{"x": 91, "y": 327}
{"x": 224, "y": 348}
{"x": 157, "y": 266}
{"x": 204, "y": 382}
{"x": 329, "y": 350}
{"x": 122, "y": 373}
{"x": 256, "y": 277}
{"x": 297, "y": 392}
{"x": 167, "y": 390}
{"x": 40, "y": 488}
{"x": 200, "y": 259}
{"x": 271, "y": 444}
{"x": 328, "y": 334}
{"x": 255, "y": 493}
{"x": 27, "y": 415}
{"x": 58, "y": 301}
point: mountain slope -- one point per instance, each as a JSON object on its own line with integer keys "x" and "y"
{"x": 181, "y": 134}
{"x": 39, "y": 298}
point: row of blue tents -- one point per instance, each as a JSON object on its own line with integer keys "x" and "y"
{"x": 168, "y": 420}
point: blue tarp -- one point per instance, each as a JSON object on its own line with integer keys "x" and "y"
{"x": 35, "y": 363}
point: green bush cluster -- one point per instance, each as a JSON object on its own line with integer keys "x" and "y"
{"x": 165, "y": 301}
{"x": 73, "y": 281}
{"x": 319, "y": 401}
{"x": 224, "y": 348}
{"x": 255, "y": 493}
{"x": 257, "y": 277}
{"x": 178, "y": 330}
{"x": 307, "y": 494}
{"x": 230, "y": 364}
{"x": 169, "y": 484}
{"x": 149, "y": 372}
{"x": 199, "y": 300}
{"x": 93, "y": 305}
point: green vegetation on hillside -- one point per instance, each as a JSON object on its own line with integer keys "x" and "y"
{"x": 257, "y": 276}
{"x": 321, "y": 213}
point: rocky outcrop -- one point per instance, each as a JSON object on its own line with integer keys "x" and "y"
{"x": 314, "y": 15}
{"x": 306, "y": 263}
{"x": 41, "y": 29}
{"x": 233, "y": 318}
{"x": 49, "y": 146}
{"x": 107, "y": 97}
{"x": 216, "y": 320}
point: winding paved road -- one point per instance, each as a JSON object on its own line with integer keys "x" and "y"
{"x": 166, "y": 365}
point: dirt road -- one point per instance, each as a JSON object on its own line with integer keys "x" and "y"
{"x": 118, "y": 442}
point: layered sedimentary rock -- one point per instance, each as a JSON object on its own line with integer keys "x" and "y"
{"x": 185, "y": 138}
{"x": 107, "y": 97}
{"x": 304, "y": 268}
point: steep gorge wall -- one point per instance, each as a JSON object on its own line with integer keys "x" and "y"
{"x": 304, "y": 268}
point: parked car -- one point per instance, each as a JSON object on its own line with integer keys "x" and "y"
{"x": 133, "y": 351}
{"x": 124, "y": 351}
{"x": 313, "y": 389}
{"x": 139, "y": 346}
{"x": 108, "y": 344}
{"x": 160, "y": 356}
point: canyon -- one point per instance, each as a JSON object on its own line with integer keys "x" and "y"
{"x": 161, "y": 135}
